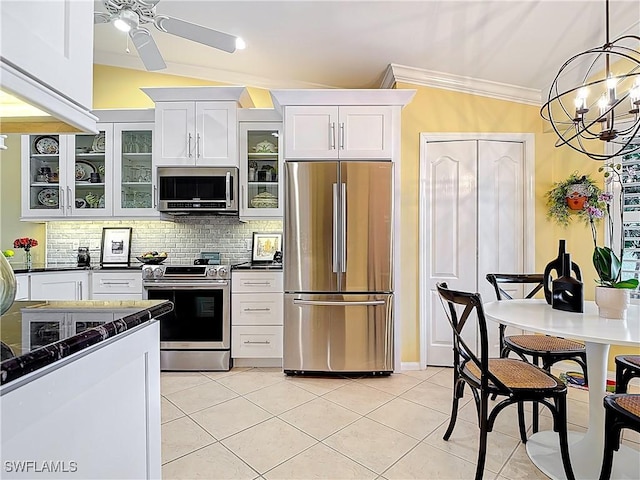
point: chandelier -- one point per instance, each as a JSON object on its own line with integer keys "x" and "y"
{"x": 604, "y": 107}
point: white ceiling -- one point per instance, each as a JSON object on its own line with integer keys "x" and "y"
{"x": 349, "y": 44}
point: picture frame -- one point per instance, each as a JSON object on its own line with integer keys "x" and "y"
{"x": 265, "y": 245}
{"x": 115, "y": 248}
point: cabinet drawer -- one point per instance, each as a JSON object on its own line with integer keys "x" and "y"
{"x": 116, "y": 282}
{"x": 116, "y": 296}
{"x": 256, "y": 342}
{"x": 256, "y": 309}
{"x": 22, "y": 287}
{"x": 250, "y": 282}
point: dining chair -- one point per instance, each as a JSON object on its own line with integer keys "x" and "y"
{"x": 515, "y": 379}
{"x": 622, "y": 410}
{"x": 627, "y": 367}
{"x": 547, "y": 348}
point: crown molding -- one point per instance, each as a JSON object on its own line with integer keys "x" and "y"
{"x": 203, "y": 73}
{"x": 429, "y": 78}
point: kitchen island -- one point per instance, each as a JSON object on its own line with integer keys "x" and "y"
{"x": 80, "y": 389}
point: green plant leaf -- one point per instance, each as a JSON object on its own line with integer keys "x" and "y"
{"x": 607, "y": 265}
{"x": 631, "y": 283}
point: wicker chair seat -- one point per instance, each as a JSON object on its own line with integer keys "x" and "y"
{"x": 516, "y": 374}
{"x": 629, "y": 402}
{"x": 634, "y": 359}
{"x": 544, "y": 343}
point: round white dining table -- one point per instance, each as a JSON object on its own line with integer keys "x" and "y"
{"x": 586, "y": 449}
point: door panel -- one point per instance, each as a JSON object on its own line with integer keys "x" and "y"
{"x": 310, "y": 249}
{"x": 501, "y": 222}
{"x": 451, "y": 239}
{"x": 215, "y": 142}
{"x": 365, "y": 132}
{"x": 355, "y": 334}
{"x": 311, "y": 132}
{"x": 367, "y": 195}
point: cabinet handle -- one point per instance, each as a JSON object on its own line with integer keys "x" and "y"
{"x": 189, "y": 145}
{"x": 249, "y": 342}
{"x": 342, "y": 136}
{"x": 155, "y": 196}
{"x": 257, "y": 310}
{"x": 332, "y": 135}
{"x": 242, "y": 195}
{"x": 61, "y": 196}
{"x": 69, "y": 198}
{"x": 257, "y": 283}
{"x": 115, "y": 283}
{"x": 79, "y": 290}
{"x": 198, "y": 145}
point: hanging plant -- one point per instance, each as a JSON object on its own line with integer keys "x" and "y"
{"x": 572, "y": 196}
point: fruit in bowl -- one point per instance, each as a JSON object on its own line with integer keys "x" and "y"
{"x": 153, "y": 257}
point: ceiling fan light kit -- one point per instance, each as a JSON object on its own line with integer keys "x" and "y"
{"x": 605, "y": 106}
{"x": 129, "y": 15}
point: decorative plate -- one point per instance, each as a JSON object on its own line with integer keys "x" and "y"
{"x": 81, "y": 203}
{"x": 46, "y": 145}
{"x": 48, "y": 197}
{"x": 98, "y": 143}
{"x": 264, "y": 200}
{"x": 84, "y": 170}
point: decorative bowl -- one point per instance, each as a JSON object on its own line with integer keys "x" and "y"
{"x": 265, "y": 147}
{"x": 152, "y": 260}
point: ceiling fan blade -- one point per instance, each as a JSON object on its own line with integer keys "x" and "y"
{"x": 99, "y": 17}
{"x": 197, "y": 33}
{"x": 147, "y": 49}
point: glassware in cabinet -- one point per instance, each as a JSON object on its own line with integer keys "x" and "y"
{"x": 135, "y": 169}
{"x": 91, "y": 173}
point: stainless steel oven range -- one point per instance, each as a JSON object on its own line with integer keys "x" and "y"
{"x": 196, "y": 334}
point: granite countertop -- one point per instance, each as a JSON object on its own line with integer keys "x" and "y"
{"x": 257, "y": 266}
{"x": 35, "y": 334}
{"x": 21, "y": 268}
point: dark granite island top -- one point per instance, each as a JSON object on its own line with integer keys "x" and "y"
{"x": 35, "y": 334}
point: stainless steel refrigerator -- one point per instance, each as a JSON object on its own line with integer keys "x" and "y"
{"x": 338, "y": 266}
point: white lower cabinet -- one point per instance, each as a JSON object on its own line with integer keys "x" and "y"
{"x": 118, "y": 285}
{"x": 256, "y": 318}
{"x": 60, "y": 286}
{"x": 22, "y": 286}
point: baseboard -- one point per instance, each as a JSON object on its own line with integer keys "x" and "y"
{"x": 258, "y": 362}
{"x": 410, "y": 366}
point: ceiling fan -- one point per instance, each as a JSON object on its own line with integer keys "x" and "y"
{"x": 129, "y": 15}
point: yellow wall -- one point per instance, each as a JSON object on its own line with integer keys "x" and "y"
{"x": 115, "y": 87}
{"x": 10, "y": 225}
{"x": 435, "y": 110}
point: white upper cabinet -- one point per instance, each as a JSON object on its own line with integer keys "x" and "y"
{"x": 196, "y": 133}
{"x": 46, "y": 57}
{"x": 197, "y": 126}
{"x": 339, "y": 132}
{"x": 341, "y": 124}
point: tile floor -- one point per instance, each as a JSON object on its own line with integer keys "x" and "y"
{"x": 259, "y": 424}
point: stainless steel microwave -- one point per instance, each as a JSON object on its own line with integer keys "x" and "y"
{"x": 198, "y": 190}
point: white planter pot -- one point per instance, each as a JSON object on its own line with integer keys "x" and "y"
{"x": 612, "y": 302}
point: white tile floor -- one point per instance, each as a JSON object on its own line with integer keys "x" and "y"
{"x": 260, "y": 424}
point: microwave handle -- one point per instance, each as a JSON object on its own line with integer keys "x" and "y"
{"x": 228, "y": 190}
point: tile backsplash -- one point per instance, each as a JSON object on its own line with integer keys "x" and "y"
{"x": 182, "y": 240}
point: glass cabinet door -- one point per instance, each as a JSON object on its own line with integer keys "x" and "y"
{"x": 261, "y": 189}
{"x": 43, "y": 172}
{"x": 90, "y": 174}
{"x": 134, "y": 182}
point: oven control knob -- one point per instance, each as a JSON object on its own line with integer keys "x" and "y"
{"x": 147, "y": 273}
{"x": 211, "y": 272}
{"x": 157, "y": 273}
{"x": 222, "y": 272}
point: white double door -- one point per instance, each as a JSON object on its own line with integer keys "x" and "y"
{"x": 474, "y": 217}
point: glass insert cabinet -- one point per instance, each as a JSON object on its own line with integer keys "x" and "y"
{"x": 260, "y": 169}
{"x": 89, "y": 175}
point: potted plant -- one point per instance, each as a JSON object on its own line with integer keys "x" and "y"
{"x": 612, "y": 294}
{"x": 570, "y": 196}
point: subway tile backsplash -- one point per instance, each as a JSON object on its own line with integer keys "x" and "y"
{"x": 182, "y": 240}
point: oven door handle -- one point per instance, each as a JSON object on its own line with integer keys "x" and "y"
{"x": 190, "y": 286}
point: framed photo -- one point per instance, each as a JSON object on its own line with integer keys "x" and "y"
{"x": 265, "y": 245}
{"x": 116, "y": 247}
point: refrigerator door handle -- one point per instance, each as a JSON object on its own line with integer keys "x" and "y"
{"x": 335, "y": 229}
{"x": 343, "y": 213}
{"x": 337, "y": 303}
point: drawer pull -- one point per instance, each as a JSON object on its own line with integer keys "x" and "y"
{"x": 257, "y": 283}
{"x": 257, "y": 309}
{"x": 249, "y": 342}
{"x": 115, "y": 283}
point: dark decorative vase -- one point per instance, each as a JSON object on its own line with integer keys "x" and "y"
{"x": 556, "y": 265}
{"x": 566, "y": 291}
